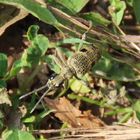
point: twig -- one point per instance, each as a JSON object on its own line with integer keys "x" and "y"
{"x": 108, "y": 132}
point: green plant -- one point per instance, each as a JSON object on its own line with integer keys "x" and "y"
{"x": 119, "y": 60}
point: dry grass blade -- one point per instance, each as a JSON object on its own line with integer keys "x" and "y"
{"x": 115, "y": 132}
{"x": 95, "y": 34}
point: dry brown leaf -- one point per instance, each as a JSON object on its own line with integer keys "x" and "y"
{"x": 4, "y": 97}
{"x": 66, "y": 112}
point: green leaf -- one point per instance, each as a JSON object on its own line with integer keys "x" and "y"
{"x": 125, "y": 117}
{"x": 3, "y": 64}
{"x": 41, "y": 42}
{"x": 85, "y": 99}
{"x": 2, "y": 84}
{"x": 109, "y": 68}
{"x": 30, "y": 119}
{"x": 136, "y": 106}
{"x": 31, "y": 55}
{"x": 74, "y": 5}
{"x": 32, "y": 32}
{"x": 16, "y": 67}
{"x": 1, "y": 115}
{"x": 44, "y": 114}
{"x": 96, "y": 18}
{"x": 37, "y": 118}
{"x": 130, "y": 2}
{"x": 39, "y": 46}
{"x": 118, "y": 110}
{"x": 51, "y": 63}
{"x": 35, "y": 9}
{"x": 116, "y": 10}
{"x": 17, "y": 135}
{"x": 66, "y": 52}
{"x": 73, "y": 41}
{"x": 124, "y": 110}
{"x": 1, "y": 120}
{"x": 136, "y": 6}
{"x": 78, "y": 86}
{"x": 138, "y": 115}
